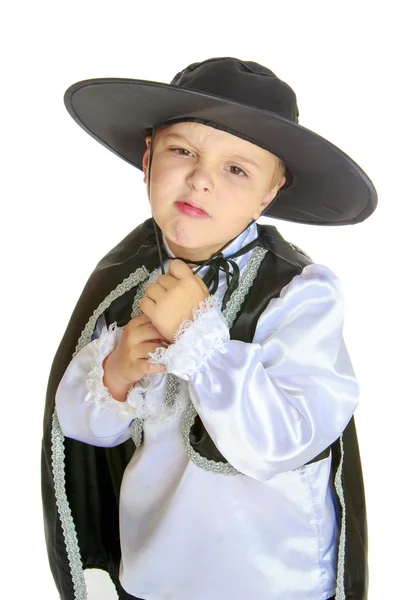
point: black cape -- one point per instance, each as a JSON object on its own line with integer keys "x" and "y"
{"x": 81, "y": 483}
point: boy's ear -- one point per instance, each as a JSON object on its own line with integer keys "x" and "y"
{"x": 272, "y": 194}
{"x": 269, "y": 198}
{"x": 145, "y": 158}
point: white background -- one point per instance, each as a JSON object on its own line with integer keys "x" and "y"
{"x": 66, "y": 200}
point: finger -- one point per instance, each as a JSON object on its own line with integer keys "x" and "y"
{"x": 149, "y": 334}
{"x": 147, "y": 367}
{"x": 160, "y": 343}
{"x": 147, "y": 306}
{"x": 142, "y": 332}
{"x": 139, "y": 321}
{"x": 167, "y": 282}
{"x": 146, "y": 348}
{"x": 179, "y": 269}
{"x": 155, "y": 292}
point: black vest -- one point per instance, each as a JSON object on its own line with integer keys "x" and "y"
{"x": 93, "y": 475}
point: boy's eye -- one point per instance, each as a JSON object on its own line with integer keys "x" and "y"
{"x": 181, "y": 151}
{"x": 234, "y": 170}
{"x": 237, "y": 171}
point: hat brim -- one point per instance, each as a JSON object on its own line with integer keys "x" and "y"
{"x": 328, "y": 188}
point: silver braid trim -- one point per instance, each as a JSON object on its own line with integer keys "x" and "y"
{"x": 231, "y": 310}
{"x": 136, "y": 428}
{"x": 127, "y": 284}
{"x": 340, "y": 591}
{"x": 67, "y": 523}
{"x": 246, "y": 281}
{"x": 57, "y": 444}
{"x": 202, "y": 462}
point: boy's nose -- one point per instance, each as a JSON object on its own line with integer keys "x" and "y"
{"x": 200, "y": 179}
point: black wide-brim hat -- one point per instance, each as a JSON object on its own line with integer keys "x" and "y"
{"x": 324, "y": 186}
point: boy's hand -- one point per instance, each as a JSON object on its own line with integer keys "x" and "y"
{"x": 128, "y": 362}
{"x": 171, "y": 298}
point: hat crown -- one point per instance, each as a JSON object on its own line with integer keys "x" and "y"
{"x": 241, "y": 81}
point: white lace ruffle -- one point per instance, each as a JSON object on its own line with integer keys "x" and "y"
{"x": 97, "y": 391}
{"x": 204, "y": 306}
{"x": 160, "y": 407}
{"x": 195, "y": 341}
{"x": 141, "y": 401}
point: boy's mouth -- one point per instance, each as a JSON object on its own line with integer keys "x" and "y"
{"x": 192, "y": 209}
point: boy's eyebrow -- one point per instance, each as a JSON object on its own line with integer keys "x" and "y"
{"x": 232, "y": 156}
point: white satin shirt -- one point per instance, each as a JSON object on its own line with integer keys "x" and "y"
{"x": 270, "y": 406}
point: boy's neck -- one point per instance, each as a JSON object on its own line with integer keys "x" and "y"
{"x": 200, "y": 254}
{"x": 190, "y": 253}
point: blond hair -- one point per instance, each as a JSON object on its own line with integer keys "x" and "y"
{"x": 279, "y": 172}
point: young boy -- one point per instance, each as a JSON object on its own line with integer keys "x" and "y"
{"x": 203, "y": 443}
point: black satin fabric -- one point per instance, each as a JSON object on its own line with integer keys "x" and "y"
{"x": 93, "y": 475}
{"x": 356, "y": 574}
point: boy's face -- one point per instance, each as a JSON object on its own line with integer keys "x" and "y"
{"x": 230, "y": 179}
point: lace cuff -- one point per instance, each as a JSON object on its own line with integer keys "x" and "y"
{"x": 97, "y": 391}
{"x": 195, "y": 341}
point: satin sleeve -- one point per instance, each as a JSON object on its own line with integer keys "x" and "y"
{"x": 273, "y": 404}
{"x": 86, "y": 410}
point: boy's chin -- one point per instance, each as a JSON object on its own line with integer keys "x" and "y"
{"x": 193, "y": 249}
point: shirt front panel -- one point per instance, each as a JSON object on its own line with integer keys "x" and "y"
{"x": 191, "y": 533}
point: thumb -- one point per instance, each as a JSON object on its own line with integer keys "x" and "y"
{"x": 201, "y": 283}
{"x": 179, "y": 269}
